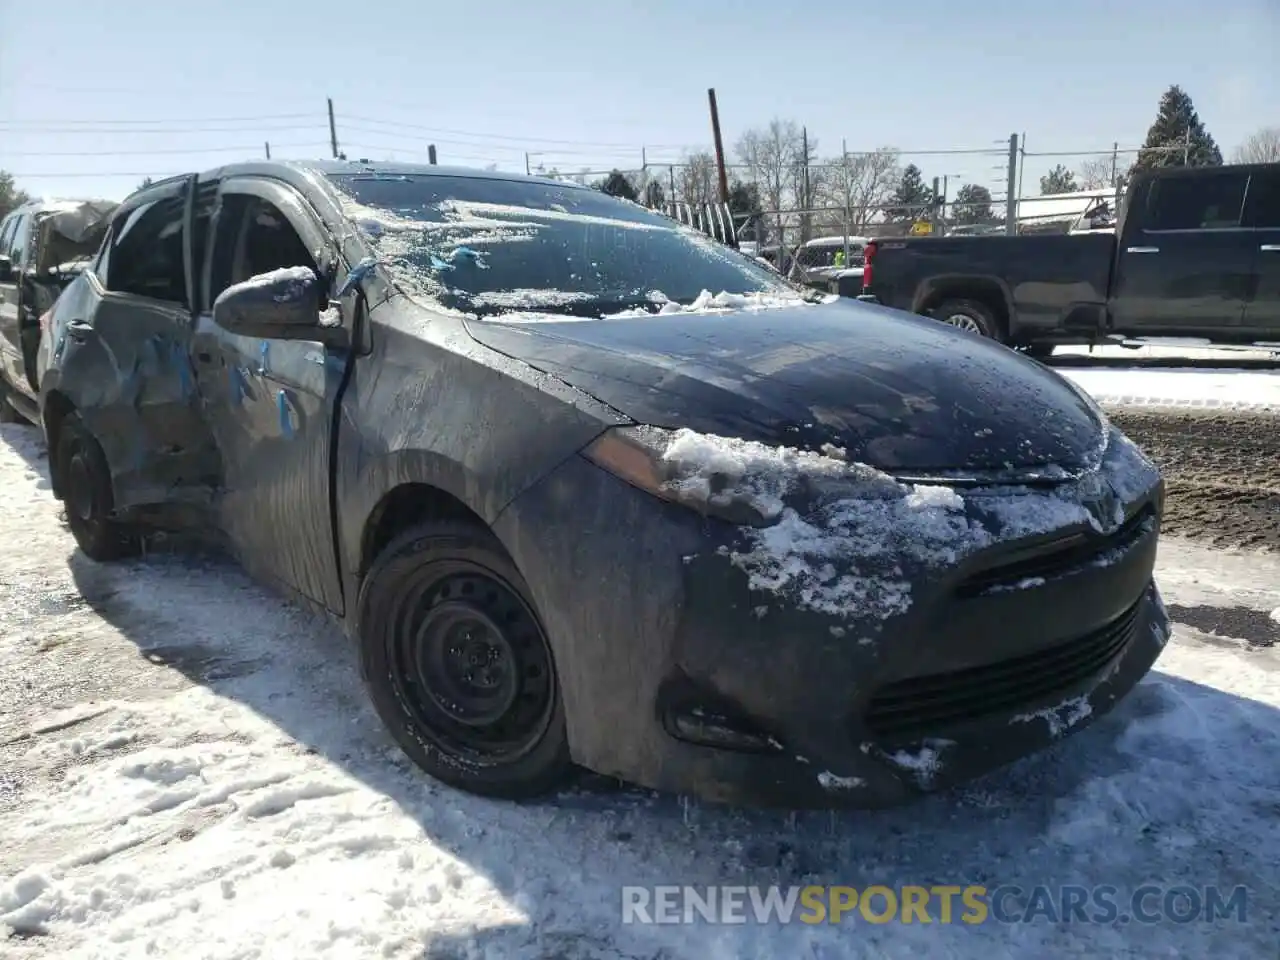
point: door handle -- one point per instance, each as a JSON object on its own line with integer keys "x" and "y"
{"x": 1142, "y": 250}
{"x": 79, "y": 330}
{"x": 1270, "y": 248}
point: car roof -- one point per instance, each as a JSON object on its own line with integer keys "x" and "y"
{"x": 56, "y": 205}
{"x": 835, "y": 241}
{"x": 300, "y": 173}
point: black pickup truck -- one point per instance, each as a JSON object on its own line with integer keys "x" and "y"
{"x": 1195, "y": 254}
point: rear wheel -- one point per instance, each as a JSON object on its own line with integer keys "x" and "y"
{"x": 971, "y": 316}
{"x": 85, "y": 482}
{"x": 458, "y": 665}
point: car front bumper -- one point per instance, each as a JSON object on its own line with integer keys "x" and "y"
{"x": 677, "y": 676}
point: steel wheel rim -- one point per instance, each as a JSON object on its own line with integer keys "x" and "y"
{"x": 458, "y": 618}
{"x": 964, "y": 322}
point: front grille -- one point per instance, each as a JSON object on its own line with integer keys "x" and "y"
{"x": 1059, "y": 557}
{"x": 920, "y": 706}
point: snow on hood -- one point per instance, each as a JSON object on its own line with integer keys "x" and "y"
{"x": 723, "y": 302}
{"x": 848, "y": 540}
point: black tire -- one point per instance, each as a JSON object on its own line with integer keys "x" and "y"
{"x": 442, "y": 604}
{"x": 977, "y": 317}
{"x": 85, "y": 482}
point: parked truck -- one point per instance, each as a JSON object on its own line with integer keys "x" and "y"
{"x": 1195, "y": 253}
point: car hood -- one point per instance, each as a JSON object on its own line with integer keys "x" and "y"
{"x": 900, "y": 393}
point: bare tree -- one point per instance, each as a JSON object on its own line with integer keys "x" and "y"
{"x": 696, "y": 179}
{"x": 770, "y": 154}
{"x": 857, "y": 184}
{"x": 1096, "y": 173}
{"x": 1261, "y": 147}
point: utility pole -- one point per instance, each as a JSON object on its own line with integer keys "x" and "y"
{"x": 721, "y": 172}
{"x": 804, "y": 217}
{"x": 431, "y": 154}
{"x": 333, "y": 131}
{"x": 1186, "y": 148}
{"x": 527, "y": 170}
{"x": 1011, "y": 199}
{"x": 1115, "y": 159}
{"x": 267, "y": 145}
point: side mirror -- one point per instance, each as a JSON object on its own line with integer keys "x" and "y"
{"x": 280, "y": 305}
{"x": 6, "y": 270}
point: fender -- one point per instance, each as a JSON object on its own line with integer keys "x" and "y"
{"x": 929, "y": 290}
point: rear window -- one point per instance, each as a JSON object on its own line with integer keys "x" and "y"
{"x": 825, "y": 255}
{"x": 1200, "y": 202}
{"x": 495, "y": 246}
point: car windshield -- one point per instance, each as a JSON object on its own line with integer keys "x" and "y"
{"x": 490, "y": 246}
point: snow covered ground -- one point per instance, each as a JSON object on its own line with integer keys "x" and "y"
{"x": 1205, "y": 382}
{"x": 189, "y": 769}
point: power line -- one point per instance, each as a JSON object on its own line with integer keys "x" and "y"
{"x": 524, "y": 141}
{"x": 133, "y": 121}
{"x": 147, "y": 153}
{"x": 78, "y": 131}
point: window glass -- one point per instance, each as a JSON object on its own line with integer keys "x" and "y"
{"x": 147, "y": 257}
{"x": 6, "y": 232}
{"x": 489, "y": 245}
{"x": 253, "y": 238}
{"x": 1196, "y": 202}
{"x": 1263, "y": 205}
{"x": 20, "y": 241}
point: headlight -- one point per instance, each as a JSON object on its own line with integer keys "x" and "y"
{"x": 736, "y": 480}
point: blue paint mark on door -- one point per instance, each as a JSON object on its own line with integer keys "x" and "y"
{"x": 286, "y": 417}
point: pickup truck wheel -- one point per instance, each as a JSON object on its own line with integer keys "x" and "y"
{"x": 86, "y": 487}
{"x": 458, "y": 665}
{"x": 969, "y": 316}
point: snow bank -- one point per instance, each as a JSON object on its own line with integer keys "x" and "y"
{"x": 1194, "y": 389}
{"x": 847, "y": 540}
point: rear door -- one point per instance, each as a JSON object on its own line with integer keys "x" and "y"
{"x": 271, "y": 403}
{"x": 14, "y": 241}
{"x": 121, "y": 351}
{"x": 1184, "y": 269}
{"x": 1262, "y": 214}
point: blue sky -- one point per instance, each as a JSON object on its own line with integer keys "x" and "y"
{"x": 135, "y": 87}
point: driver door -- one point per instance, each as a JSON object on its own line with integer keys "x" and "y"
{"x": 270, "y": 403}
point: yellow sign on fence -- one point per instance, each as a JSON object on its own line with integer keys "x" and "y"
{"x": 921, "y": 228}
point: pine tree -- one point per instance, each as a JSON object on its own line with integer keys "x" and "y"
{"x": 10, "y": 196}
{"x": 912, "y": 198}
{"x": 618, "y": 185}
{"x": 972, "y": 205}
{"x": 1058, "y": 180}
{"x": 1178, "y": 137}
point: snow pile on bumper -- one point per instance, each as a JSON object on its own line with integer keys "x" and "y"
{"x": 848, "y": 540}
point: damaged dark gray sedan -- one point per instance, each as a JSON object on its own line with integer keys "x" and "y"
{"x": 590, "y": 489}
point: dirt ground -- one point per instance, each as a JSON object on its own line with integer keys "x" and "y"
{"x": 1222, "y": 471}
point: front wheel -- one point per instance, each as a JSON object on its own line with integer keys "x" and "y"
{"x": 86, "y": 489}
{"x": 458, "y": 665}
{"x": 970, "y": 316}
